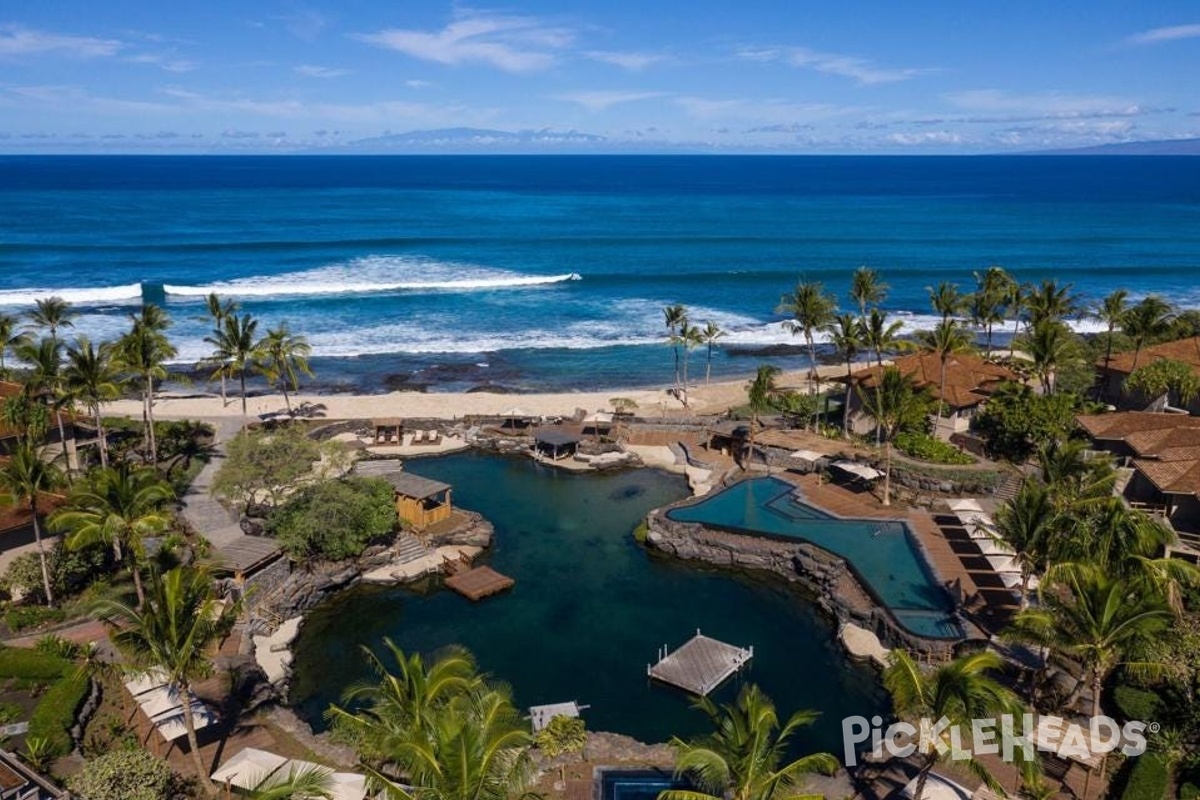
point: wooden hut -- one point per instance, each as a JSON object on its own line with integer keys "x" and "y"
{"x": 556, "y": 443}
{"x": 420, "y": 502}
{"x": 253, "y": 562}
{"x": 388, "y": 430}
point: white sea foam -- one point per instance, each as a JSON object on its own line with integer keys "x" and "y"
{"x": 372, "y": 275}
{"x": 89, "y": 295}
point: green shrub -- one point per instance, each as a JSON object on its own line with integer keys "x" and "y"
{"x": 561, "y": 735}
{"x": 19, "y": 662}
{"x": 70, "y": 571}
{"x": 641, "y": 532}
{"x": 924, "y": 447}
{"x": 19, "y": 618}
{"x": 126, "y": 774}
{"x": 335, "y": 519}
{"x": 1189, "y": 791}
{"x": 55, "y": 713}
{"x": 53, "y": 645}
{"x": 1148, "y": 780}
{"x": 1137, "y": 704}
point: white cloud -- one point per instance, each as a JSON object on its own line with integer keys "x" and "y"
{"x": 598, "y": 101}
{"x": 16, "y": 40}
{"x": 510, "y": 43}
{"x": 304, "y": 24}
{"x": 417, "y": 83}
{"x": 760, "y": 112}
{"x": 1169, "y": 34}
{"x": 1049, "y": 105}
{"x": 166, "y": 63}
{"x": 634, "y": 62}
{"x": 865, "y": 72}
{"x": 314, "y": 71}
{"x": 925, "y": 138}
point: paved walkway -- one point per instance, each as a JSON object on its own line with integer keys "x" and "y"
{"x": 203, "y": 513}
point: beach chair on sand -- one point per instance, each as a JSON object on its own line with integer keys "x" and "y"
{"x": 433, "y": 437}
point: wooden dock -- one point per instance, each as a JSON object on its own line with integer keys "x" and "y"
{"x": 479, "y": 582}
{"x": 700, "y": 665}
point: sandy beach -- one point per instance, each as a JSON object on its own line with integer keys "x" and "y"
{"x": 713, "y": 398}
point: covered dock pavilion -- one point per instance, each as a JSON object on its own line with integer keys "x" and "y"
{"x": 556, "y": 443}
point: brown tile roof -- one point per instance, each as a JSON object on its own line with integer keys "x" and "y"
{"x": 1171, "y": 477}
{"x": 1124, "y": 424}
{"x": 1185, "y": 350}
{"x": 14, "y": 517}
{"x": 969, "y": 379}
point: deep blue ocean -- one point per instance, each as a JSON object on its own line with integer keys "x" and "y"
{"x": 542, "y": 272}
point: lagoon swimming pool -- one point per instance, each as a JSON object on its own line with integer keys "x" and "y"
{"x": 883, "y": 553}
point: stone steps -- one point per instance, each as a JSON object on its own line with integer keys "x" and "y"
{"x": 409, "y": 548}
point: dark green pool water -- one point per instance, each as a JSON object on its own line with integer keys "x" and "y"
{"x": 883, "y": 553}
{"x": 589, "y": 610}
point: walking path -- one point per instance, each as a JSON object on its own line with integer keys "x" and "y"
{"x": 202, "y": 511}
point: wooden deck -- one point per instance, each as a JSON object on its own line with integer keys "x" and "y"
{"x": 479, "y": 582}
{"x": 700, "y": 665}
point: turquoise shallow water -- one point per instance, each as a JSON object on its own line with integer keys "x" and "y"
{"x": 589, "y": 610}
{"x": 884, "y": 554}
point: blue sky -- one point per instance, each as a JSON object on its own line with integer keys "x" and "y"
{"x": 841, "y": 77}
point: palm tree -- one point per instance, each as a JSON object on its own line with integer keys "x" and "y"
{"x": 402, "y": 702}
{"x": 312, "y": 782}
{"x": 992, "y": 294}
{"x": 236, "y": 348}
{"x": 119, "y": 506}
{"x": 674, "y": 316}
{"x": 946, "y": 299}
{"x": 218, "y": 310}
{"x": 144, "y": 350}
{"x": 46, "y": 379}
{"x": 742, "y": 759}
{"x": 1026, "y": 524}
{"x": 689, "y": 336}
{"x": 760, "y": 394}
{"x": 867, "y": 290}
{"x": 1112, "y": 313}
{"x": 881, "y": 336}
{"x": 1145, "y": 321}
{"x": 1050, "y": 302}
{"x": 1049, "y": 344}
{"x": 284, "y": 358}
{"x": 92, "y": 378}
{"x": 811, "y": 310}
{"x": 52, "y": 313}
{"x": 959, "y": 691}
{"x": 1018, "y": 301}
{"x": 709, "y": 335}
{"x": 946, "y": 339}
{"x": 894, "y": 403}
{"x": 25, "y": 477}
{"x": 171, "y": 635}
{"x": 846, "y": 335}
{"x": 10, "y": 339}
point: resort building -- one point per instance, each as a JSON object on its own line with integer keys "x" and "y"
{"x": 970, "y": 381}
{"x": 1159, "y": 457}
{"x": 68, "y": 444}
{"x": 255, "y": 566}
{"x": 22, "y": 783}
{"x": 1113, "y": 372}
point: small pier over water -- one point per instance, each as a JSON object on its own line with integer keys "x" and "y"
{"x": 700, "y": 665}
{"x": 475, "y": 583}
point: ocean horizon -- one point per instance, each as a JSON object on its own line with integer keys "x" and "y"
{"x": 524, "y": 273}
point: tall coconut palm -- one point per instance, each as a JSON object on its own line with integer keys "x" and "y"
{"x": 1018, "y": 301}
{"x": 52, "y": 313}
{"x": 760, "y": 394}
{"x": 674, "y": 316}
{"x": 283, "y": 357}
{"x": 866, "y": 290}
{"x": 993, "y": 290}
{"x": 237, "y": 348}
{"x": 25, "y": 477}
{"x": 1111, "y": 312}
{"x": 744, "y": 757}
{"x": 946, "y": 339}
{"x": 93, "y": 379}
{"x": 1049, "y": 302}
{"x": 689, "y": 337}
{"x": 881, "y": 336}
{"x": 119, "y": 506}
{"x": 946, "y": 300}
{"x": 960, "y": 691}
{"x": 1026, "y": 524}
{"x": 171, "y": 635}
{"x": 218, "y": 310}
{"x": 1146, "y": 321}
{"x": 403, "y": 699}
{"x": 1049, "y": 345}
{"x": 10, "y": 339}
{"x": 893, "y": 403}
{"x": 45, "y": 381}
{"x": 145, "y": 351}
{"x": 709, "y": 335}
{"x": 846, "y": 335}
{"x": 811, "y": 309}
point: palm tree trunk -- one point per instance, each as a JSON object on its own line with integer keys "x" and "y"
{"x": 887, "y": 473}
{"x": 941, "y": 396}
{"x": 136, "y": 573}
{"x": 1024, "y": 589}
{"x": 684, "y": 397}
{"x": 1012, "y": 343}
{"x": 878, "y": 425}
{"x": 846, "y": 403}
{"x": 242, "y": 377}
{"x": 812, "y": 355}
{"x": 989, "y": 340}
{"x": 189, "y": 722}
{"x": 102, "y": 437}
{"x": 675, "y": 347}
{"x": 708, "y": 366}
{"x": 37, "y": 536}
{"x": 923, "y": 775}
{"x": 62, "y": 439}
{"x": 286, "y": 401}
{"x": 224, "y": 401}
{"x": 150, "y": 420}
{"x": 1107, "y": 360}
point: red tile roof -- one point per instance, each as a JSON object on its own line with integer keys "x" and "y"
{"x": 1185, "y": 350}
{"x": 1166, "y": 446}
{"x": 969, "y": 379}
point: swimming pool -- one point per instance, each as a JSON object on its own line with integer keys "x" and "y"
{"x": 623, "y": 784}
{"x": 883, "y": 553}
